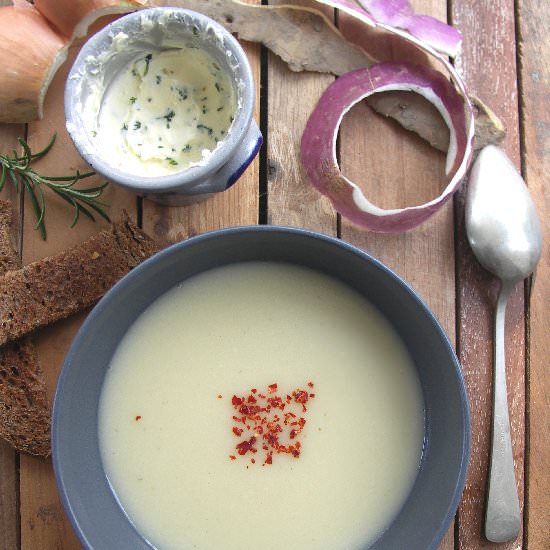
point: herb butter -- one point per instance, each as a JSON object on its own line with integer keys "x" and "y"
{"x": 165, "y": 112}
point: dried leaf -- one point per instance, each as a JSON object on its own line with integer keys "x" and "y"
{"x": 489, "y": 128}
{"x": 303, "y": 38}
{"x": 308, "y": 41}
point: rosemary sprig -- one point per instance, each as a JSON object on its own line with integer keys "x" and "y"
{"x": 17, "y": 168}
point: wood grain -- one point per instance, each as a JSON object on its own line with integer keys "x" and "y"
{"x": 395, "y": 169}
{"x": 291, "y": 200}
{"x": 489, "y": 42}
{"x": 9, "y": 475}
{"x": 534, "y": 49}
{"x": 236, "y": 206}
{"x": 9, "y": 462}
{"x": 43, "y": 521}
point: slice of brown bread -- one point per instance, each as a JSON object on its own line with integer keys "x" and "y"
{"x": 9, "y": 260}
{"x": 24, "y": 407}
{"x": 54, "y": 288}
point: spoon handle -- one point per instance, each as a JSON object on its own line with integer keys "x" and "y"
{"x": 502, "y": 520}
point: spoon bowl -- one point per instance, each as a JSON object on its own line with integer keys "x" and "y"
{"x": 504, "y": 233}
{"x": 502, "y": 224}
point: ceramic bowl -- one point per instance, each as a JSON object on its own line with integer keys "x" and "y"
{"x": 123, "y": 41}
{"x": 97, "y": 517}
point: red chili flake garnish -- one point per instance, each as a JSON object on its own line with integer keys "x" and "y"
{"x": 232, "y": 457}
{"x": 274, "y": 427}
{"x": 275, "y": 402}
{"x": 246, "y": 409}
{"x": 244, "y": 446}
{"x": 300, "y": 396}
{"x": 288, "y": 417}
{"x": 272, "y": 439}
{"x": 259, "y": 421}
{"x": 138, "y": 417}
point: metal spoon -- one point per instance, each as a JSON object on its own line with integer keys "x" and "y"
{"x": 504, "y": 232}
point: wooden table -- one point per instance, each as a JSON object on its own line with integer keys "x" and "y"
{"x": 505, "y": 61}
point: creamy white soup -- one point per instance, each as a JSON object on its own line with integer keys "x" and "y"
{"x": 298, "y": 342}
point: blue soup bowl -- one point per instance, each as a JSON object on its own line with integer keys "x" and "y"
{"x": 91, "y": 505}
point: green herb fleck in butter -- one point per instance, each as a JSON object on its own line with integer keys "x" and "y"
{"x": 178, "y": 97}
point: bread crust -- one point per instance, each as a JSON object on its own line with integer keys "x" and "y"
{"x": 43, "y": 292}
{"x": 25, "y": 417}
{"x": 58, "y": 286}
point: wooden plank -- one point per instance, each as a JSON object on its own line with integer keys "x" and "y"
{"x": 43, "y": 521}
{"x": 396, "y": 169}
{"x": 236, "y": 206}
{"x": 292, "y": 201}
{"x": 534, "y": 48}
{"x": 489, "y": 42}
{"x": 9, "y": 509}
{"x": 9, "y": 474}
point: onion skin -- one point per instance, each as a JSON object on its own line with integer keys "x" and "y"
{"x": 399, "y": 13}
{"x": 318, "y": 145}
{"x": 37, "y": 45}
{"x": 31, "y": 52}
{"x": 73, "y": 18}
{"x": 362, "y": 17}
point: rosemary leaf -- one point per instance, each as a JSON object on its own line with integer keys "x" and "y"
{"x": 18, "y": 170}
{"x": 40, "y": 153}
{"x": 38, "y": 211}
{"x": 73, "y": 204}
{"x": 27, "y": 158}
{"x": 3, "y": 177}
{"x": 98, "y": 207}
{"x": 86, "y": 212}
{"x": 77, "y": 176}
{"x": 13, "y": 179}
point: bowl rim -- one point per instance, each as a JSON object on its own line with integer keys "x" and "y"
{"x": 174, "y": 249}
{"x": 188, "y": 176}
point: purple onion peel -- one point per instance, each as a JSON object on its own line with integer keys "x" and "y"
{"x": 432, "y": 31}
{"x": 318, "y": 145}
